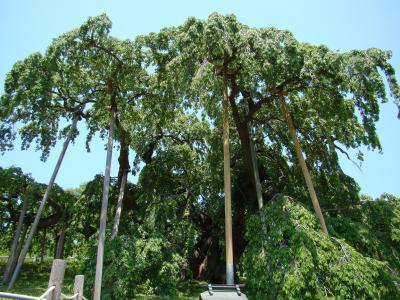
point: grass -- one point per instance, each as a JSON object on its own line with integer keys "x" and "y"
{"x": 34, "y": 278}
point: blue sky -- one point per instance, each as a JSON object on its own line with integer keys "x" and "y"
{"x": 29, "y": 26}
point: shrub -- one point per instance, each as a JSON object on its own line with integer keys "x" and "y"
{"x": 134, "y": 264}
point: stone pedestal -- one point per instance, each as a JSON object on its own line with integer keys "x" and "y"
{"x": 223, "y": 292}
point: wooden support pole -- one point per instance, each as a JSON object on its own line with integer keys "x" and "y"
{"x": 227, "y": 188}
{"x": 299, "y": 154}
{"x": 258, "y": 190}
{"x": 43, "y": 203}
{"x": 19, "y": 247}
{"x": 61, "y": 242}
{"x": 14, "y": 247}
{"x": 253, "y": 156}
{"x": 119, "y": 204}
{"x": 78, "y": 286}
{"x": 43, "y": 245}
{"x": 256, "y": 174}
{"x": 56, "y": 279}
{"x": 104, "y": 205}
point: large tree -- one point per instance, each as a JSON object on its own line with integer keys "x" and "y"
{"x": 332, "y": 99}
{"x": 84, "y": 68}
{"x": 290, "y": 103}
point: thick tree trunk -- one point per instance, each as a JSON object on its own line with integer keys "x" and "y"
{"x": 13, "y": 252}
{"x": 209, "y": 267}
{"x": 227, "y": 188}
{"x": 42, "y": 204}
{"x": 61, "y": 243}
{"x": 206, "y": 261}
{"x": 245, "y": 143}
{"x": 247, "y": 147}
{"x": 299, "y": 154}
{"x": 104, "y": 204}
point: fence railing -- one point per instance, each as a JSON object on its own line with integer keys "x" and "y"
{"x": 56, "y": 281}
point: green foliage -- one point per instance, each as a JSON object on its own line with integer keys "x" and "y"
{"x": 372, "y": 227}
{"x": 288, "y": 257}
{"x": 133, "y": 265}
{"x": 119, "y": 266}
{"x": 17, "y": 187}
{"x": 35, "y": 279}
{"x": 83, "y": 72}
{"x": 160, "y": 268}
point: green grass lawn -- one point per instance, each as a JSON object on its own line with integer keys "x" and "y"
{"x": 34, "y": 278}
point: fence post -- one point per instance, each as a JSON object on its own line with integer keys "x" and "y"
{"x": 56, "y": 279}
{"x": 78, "y": 286}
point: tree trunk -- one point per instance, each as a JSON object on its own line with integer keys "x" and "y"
{"x": 104, "y": 204}
{"x": 208, "y": 265}
{"x": 13, "y": 252}
{"x": 42, "y": 204}
{"x": 247, "y": 147}
{"x": 61, "y": 243}
{"x": 206, "y": 260}
{"x": 299, "y": 154}
{"x": 227, "y": 188}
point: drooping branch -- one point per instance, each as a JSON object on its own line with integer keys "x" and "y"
{"x": 347, "y": 155}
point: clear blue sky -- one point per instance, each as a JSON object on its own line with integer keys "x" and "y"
{"x": 29, "y": 26}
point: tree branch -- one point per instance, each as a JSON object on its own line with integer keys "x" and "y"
{"x": 108, "y": 51}
{"x": 348, "y": 156}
